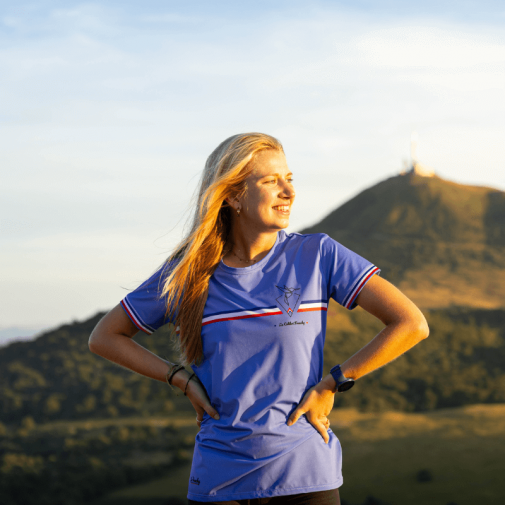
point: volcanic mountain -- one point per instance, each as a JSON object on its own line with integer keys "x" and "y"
{"x": 442, "y": 243}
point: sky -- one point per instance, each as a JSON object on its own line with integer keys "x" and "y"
{"x": 108, "y": 111}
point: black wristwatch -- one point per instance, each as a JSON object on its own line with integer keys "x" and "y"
{"x": 343, "y": 383}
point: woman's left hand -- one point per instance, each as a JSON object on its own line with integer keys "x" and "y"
{"x": 316, "y": 404}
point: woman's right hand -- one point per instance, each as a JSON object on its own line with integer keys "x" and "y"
{"x": 196, "y": 394}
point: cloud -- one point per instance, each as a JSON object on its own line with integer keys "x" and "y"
{"x": 110, "y": 112}
{"x": 425, "y": 47}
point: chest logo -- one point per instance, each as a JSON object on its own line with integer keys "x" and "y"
{"x": 289, "y": 300}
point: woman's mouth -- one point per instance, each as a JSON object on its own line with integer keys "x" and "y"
{"x": 282, "y": 208}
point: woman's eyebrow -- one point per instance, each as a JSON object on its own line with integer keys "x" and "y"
{"x": 275, "y": 174}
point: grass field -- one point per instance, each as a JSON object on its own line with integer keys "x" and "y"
{"x": 453, "y": 456}
{"x": 463, "y": 450}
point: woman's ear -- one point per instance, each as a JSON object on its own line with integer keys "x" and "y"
{"x": 233, "y": 203}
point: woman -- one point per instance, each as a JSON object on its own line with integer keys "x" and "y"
{"x": 250, "y": 305}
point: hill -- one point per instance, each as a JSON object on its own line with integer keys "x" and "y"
{"x": 442, "y": 243}
{"x": 56, "y": 377}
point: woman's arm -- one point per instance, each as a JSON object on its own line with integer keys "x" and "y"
{"x": 112, "y": 339}
{"x": 405, "y": 327}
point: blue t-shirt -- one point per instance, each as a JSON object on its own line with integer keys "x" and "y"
{"x": 263, "y": 333}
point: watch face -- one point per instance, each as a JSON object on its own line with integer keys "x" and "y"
{"x": 345, "y": 386}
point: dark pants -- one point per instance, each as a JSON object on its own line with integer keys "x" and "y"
{"x": 330, "y": 497}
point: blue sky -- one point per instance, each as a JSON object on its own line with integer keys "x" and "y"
{"x": 108, "y": 111}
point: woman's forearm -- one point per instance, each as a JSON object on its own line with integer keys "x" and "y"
{"x": 393, "y": 341}
{"x": 112, "y": 339}
{"x": 405, "y": 327}
{"x": 126, "y": 352}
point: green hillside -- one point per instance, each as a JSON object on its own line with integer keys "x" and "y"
{"x": 56, "y": 377}
{"x": 390, "y": 458}
{"x": 442, "y": 243}
{"x": 461, "y": 363}
{"x": 73, "y": 462}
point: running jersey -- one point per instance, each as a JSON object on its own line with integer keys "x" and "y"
{"x": 263, "y": 333}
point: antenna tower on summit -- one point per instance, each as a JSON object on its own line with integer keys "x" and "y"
{"x": 414, "y": 138}
{"x": 416, "y": 167}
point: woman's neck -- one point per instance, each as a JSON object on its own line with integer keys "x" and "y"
{"x": 244, "y": 249}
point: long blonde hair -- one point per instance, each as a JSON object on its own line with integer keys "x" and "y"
{"x": 194, "y": 260}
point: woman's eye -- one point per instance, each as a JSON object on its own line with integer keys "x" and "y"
{"x": 270, "y": 181}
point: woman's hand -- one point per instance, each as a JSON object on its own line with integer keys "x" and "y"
{"x": 196, "y": 394}
{"x": 316, "y": 404}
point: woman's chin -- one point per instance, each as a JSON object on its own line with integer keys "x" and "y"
{"x": 265, "y": 227}
{"x": 282, "y": 224}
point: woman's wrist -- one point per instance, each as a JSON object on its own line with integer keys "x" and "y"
{"x": 329, "y": 383}
{"x": 180, "y": 379}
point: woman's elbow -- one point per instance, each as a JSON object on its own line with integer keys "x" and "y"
{"x": 420, "y": 330}
{"x": 113, "y": 324}
{"x": 94, "y": 342}
{"x": 98, "y": 337}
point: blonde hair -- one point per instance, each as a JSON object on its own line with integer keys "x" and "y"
{"x": 196, "y": 257}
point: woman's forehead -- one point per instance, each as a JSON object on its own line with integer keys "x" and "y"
{"x": 269, "y": 162}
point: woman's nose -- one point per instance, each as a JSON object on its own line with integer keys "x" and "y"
{"x": 288, "y": 191}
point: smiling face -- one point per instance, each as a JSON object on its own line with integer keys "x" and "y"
{"x": 266, "y": 204}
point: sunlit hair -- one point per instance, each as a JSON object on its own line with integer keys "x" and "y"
{"x": 194, "y": 260}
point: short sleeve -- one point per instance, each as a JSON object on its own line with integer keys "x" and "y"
{"x": 145, "y": 306}
{"x": 346, "y": 272}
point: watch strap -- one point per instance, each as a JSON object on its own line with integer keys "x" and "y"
{"x": 343, "y": 383}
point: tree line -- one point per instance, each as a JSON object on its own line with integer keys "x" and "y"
{"x": 56, "y": 377}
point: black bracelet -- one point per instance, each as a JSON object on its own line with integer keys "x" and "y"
{"x": 186, "y": 388}
{"x": 173, "y": 370}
